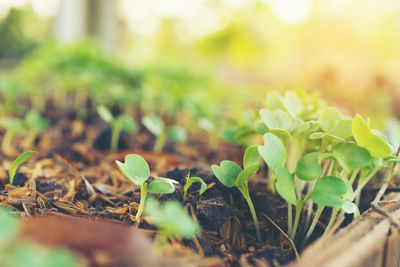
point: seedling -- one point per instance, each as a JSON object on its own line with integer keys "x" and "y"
{"x": 136, "y": 169}
{"x": 13, "y": 126}
{"x": 35, "y": 124}
{"x": 230, "y": 174}
{"x": 172, "y": 220}
{"x": 192, "y": 180}
{"x": 156, "y": 126}
{"x": 118, "y": 124}
{"x": 17, "y": 162}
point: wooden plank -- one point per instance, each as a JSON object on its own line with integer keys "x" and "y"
{"x": 370, "y": 241}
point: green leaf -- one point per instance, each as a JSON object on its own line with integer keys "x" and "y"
{"x": 285, "y": 185}
{"x": 308, "y": 167}
{"x": 273, "y": 101}
{"x": 105, "y": 114}
{"x": 246, "y": 174}
{"x": 332, "y": 122}
{"x": 171, "y": 219}
{"x": 351, "y": 156}
{"x": 21, "y": 159}
{"x": 177, "y": 133}
{"x": 251, "y": 157}
{"x": 14, "y": 124}
{"x": 350, "y": 208}
{"x": 371, "y": 140}
{"x": 320, "y": 135}
{"x": 160, "y": 185}
{"x": 36, "y": 121}
{"x": 135, "y": 168}
{"x": 227, "y": 172}
{"x": 273, "y": 152}
{"x": 127, "y": 124}
{"x": 328, "y": 191}
{"x": 278, "y": 119}
{"x": 193, "y": 180}
{"x": 154, "y": 124}
{"x": 292, "y": 103}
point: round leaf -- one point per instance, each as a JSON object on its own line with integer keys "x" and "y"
{"x": 135, "y": 168}
{"x": 161, "y": 185}
{"x": 372, "y": 141}
{"x": 127, "y": 124}
{"x": 351, "y": 156}
{"x": 308, "y": 167}
{"x": 273, "y": 152}
{"x": 251, "y": 157}
{"x": 105, "y": 114}
{"x": 177, "y": 133}
{"x": 154, "y": 124}
{"x": 227, "y": 172}
{"x": 328, "y": 191}
{"x": 285, "y": 185}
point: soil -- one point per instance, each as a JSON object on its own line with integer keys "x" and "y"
{"x": 74, "y": 174}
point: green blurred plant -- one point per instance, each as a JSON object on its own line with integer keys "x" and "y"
{"x": 190, "y": 181}
{"x": 118, "y": 124}
{"x": 13, "y": 126}
{"x": 172, "y": 220}
{"x": 156, "y": 126}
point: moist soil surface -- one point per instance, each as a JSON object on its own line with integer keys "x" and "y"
{"x": 75, "y": 174}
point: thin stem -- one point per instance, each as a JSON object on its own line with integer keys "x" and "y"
{"x": 324, "y": 144}
{"x": 5, "y": 145}
{"x": 353, "y": 176}
{"x": 143, "y": 194}
{"x": 290, "y": 218}
{"x": 246, "y": 195}
{"x": 366, "y": 180}
{"x": 313, "y": 224}
{"x": 309, "y": 203}
{"x": 115, "y": 132}
{"x": 160, "y": 140}
{"x": 299, "y": 208}
{"x": 335, "y": 212}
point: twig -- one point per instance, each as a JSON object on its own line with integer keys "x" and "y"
{"x": 284, "y": 234}
{"x": 375, "y": 204}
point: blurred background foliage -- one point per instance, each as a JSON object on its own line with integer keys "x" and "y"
{"x": 203, "y": 58}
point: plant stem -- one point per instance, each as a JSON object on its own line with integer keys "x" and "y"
{"x": 143, "y": 194}
{"x": 353, "y": 176}
{"x": 115, "y": 132}
{"x": 335, "y": 212}
{"x": 299, "y": 208}
{"x": 246, "y": 195}
{"x": 313, "y": 224}
{"x": 160, "y": 140}
{"x": 290, "y": 218}
{"x": 6, "y": 143}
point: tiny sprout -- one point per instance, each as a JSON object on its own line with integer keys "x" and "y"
{"x": 137, "y": 171}
{"x": 13, "y": 126}
{"x": 192, "y": 180}
{"x": 156, "y": 126}
{"x": 21, "y": 159}
{"x": 36, "y": 124}
{"x": 230, "y": 174}
{"x": 118, "y": 124}
{"x": 172, "y": 220}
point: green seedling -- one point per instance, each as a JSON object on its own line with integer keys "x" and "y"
{"x": 35, "y": 124}
{"x": 156, "y": 126}
{"x": 118, "y": 124}
{"x": 192, "y": 180}
{"x": 232, "y": 175}
{"x": 17, "y": 162}
{"x": 172, "y": 220}
{"x": 13, "y": 126}
{"x": 136, "y": 169}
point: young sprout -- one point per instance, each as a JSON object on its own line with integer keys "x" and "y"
{"x": 17, "y": 162}
{"x": 13, "y": 126}
{"x": 192, "y": 180}
{"x": 137, "y": 171}
{"x": 118, "y": 124}
{"x": 35, "y": 124}
{"x": 172, "y": 220}
{"x": 156, "y": 126}
{"x": 230, "y": 174}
